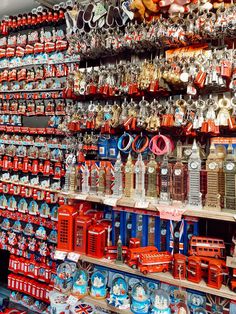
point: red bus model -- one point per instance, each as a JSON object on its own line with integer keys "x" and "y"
{"x": 111, "y": 252}
{"x": 133, "y": 254}
{"x": 208, "y": 247}
{"x": 155, "y": 262}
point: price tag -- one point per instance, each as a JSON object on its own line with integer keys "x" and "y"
{"x": 74, "y": 257}
{"x": 142, "y": 204}
{"x": 60, "y": 255}
{"x": 110, "y": 201}
{"x": 170, "y": 213}
{"x": 72, "y": 300}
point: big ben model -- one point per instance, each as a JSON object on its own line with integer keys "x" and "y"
{"x": 179, "y": 181}
{"x": 165, "y": 177}
{"x": 129, "y": 178}
{"x": 194, "y": 168}
{"x": 152, "y": 178}
{"x": 213, "y": 167}
{"x": 230, "y": 173}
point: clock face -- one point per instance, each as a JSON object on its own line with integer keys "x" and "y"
{"x": 187, "y": 152}
{"x": 177, "y": 172}
{"x": 127, "y": 169}
{"x": 137, "y": 170}
{"x": 164, "y": 171}
{"x": 230, "y": 166}
{"x": 116, "y": 168}
{"x": 150, "y": 169}
{"x": 194, "y": 165}
{"x": 212, "y": 165}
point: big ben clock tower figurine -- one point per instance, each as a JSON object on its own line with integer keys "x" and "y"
{"x": 194, "y": 168}
{"x": 213, "y": 167}
{"x": 230, "y": 174}
{"x": 165, "y": 181}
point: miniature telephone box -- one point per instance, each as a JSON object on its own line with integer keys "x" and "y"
{"x": 66, "y": 220}
{"x": 215, "y": 274}
{"x": 179, "y": 271}
{"x": 82, "y": 223}
{"x": 194, "y": 269}
{"x": 96, "y": 241}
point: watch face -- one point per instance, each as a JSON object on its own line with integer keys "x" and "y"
{"x": 150, "y": 169}
{"x": 194, "y": 165}
{"x": 212, "y": 165}
{"x": 177, "y": 172}
{"x": 164, "y": 171}
{"x": 230, "y": 166}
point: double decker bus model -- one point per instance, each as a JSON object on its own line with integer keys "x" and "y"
{"x": 208, "y": 247}
{"x": 134, "y": 254}
{"x": 155, "y": 262}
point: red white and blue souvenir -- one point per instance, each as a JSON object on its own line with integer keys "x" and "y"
{"x": 118, "y": 297}
{"x": 59, "y": 303}
{"x": 82, "y": 308}
{"x": 140, "y": 301}
{"x": 64, "y": 280}
{"x": 22, "y": 206}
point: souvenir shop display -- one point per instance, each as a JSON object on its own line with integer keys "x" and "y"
{"x": 117, "y": 156}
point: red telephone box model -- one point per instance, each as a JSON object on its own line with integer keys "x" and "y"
{"x": 179, "y": 270}
{"x": 82, "y": 223}
{"x": 216, "y": 270}
{"x": 194, "y": 269}
{"x": 66, "y": 220}
{"x": 96, "y": 241}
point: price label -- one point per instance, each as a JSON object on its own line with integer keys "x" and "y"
{"x": 60, "y": 255}
{"x": 110, "y": 201}
{"x": 170, "y": 212}
{"x": 74, "y": 257}
{"x": 72, "y": 300}
{"x": 142, "y": 204}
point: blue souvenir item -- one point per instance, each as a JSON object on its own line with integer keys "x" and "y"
{"x": 103, "y": 147}
{"x": 3, "y": 201}
{"x": 119, "y": 294}
{"x": 113, "y": 149}
{"x": 140, "y": 299}
{"x": 98, "y": 285}
{"x": 80, "y": 286}
{"x": 5, "y": 225}
{"x": 64, "y": 281}
{"x": 17, "y": 227}
{"x": 41, "y": 233}
{"x": 12, "y": 203}
{"x": 53, "y": 236}
{"x": 22, "y": 206}
{"x": 44, "y": 210}
{"x": 160, "y": 302}
{"x": 29, "y": 229}
{"x": 54, "y": 213}
{"x": 33, "y": 208}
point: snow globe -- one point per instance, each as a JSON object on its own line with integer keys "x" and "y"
{"x": 98, "y": 285}
{"x": 64, "y": 281}
{"x": 140, "y": 299}
{"x": 80, "y": 286}
{"x": 200, "y": 310}
{"x": 119, "y": 294}
{"x": 160, "y": 302}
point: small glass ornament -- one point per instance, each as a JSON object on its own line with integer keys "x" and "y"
{"x": 140, "y": 299}
{"x": 119, "y": 294}
{"x": 98, "y": 285}
{"x": 160, "y": 302}
{"x": 80, "y": 285}
{"x": 64, "y": 281}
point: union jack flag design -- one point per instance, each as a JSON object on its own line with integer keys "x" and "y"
{"x": 215, "y": 304}
{"x": 83, "y": 308}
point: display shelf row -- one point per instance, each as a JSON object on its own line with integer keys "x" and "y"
{"x": 30, "y": 186}
{"x": 163, "y": 277}
{"x": 174, "y": 211}
{"x": 37, "y": 144}
{"x": 31, "y": 91}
